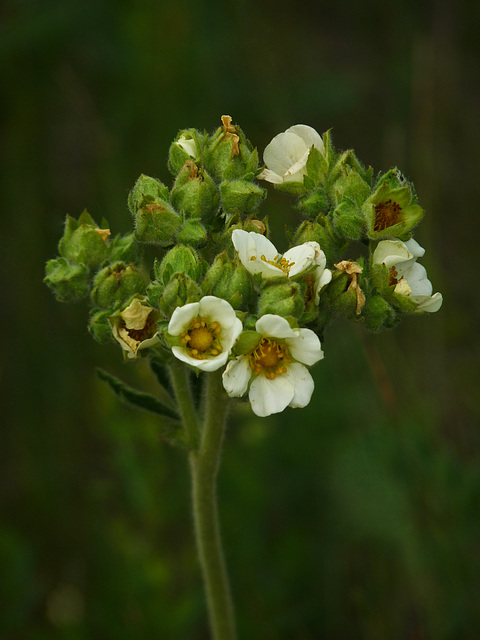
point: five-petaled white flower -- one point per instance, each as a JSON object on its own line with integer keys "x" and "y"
{"x": 207, "y": 331}
{"x": 274, "y": 373}
{"x": 259, "y": 255}
{"x": 286, "y": 155}
{"x": 409, "y": 277}
{"x": 135, "y": 327}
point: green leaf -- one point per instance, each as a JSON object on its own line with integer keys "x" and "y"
{"x": 144, "y": 401}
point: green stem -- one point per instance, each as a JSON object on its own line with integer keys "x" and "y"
{"x": 204, "y": 464}
{"x": 179, "y": 374}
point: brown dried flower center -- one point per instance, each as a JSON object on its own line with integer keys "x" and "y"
{"x": 143, "y": 334}
{"x": 392, "y": 276}
{"x": 386, "y": 215}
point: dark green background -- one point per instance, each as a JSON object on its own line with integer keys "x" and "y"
{"x": 357, "y": 517}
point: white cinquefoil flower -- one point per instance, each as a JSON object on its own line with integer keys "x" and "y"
{"x": 286, "y": 155}
{"x": 135, "y": 327}
{"x": 274, "y": 373}
{"x": 409, "y": 277}
{"x": 207, "y": 332}
{"x": 259, "y": 255}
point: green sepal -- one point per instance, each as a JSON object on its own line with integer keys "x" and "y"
{"x": 170, "y": 427}
{"x": 403, "y": 303}
{"x": 196, "y": 197}
{"x": 291, "y": 188}
{"x": 246, "y": 342}
{"x": 282, "y": 299}
{"x": 241, "y": 196}
{"x": 377, "y": 313}
{"x": 82, "y": 243}
{"x": 317, "y": 167}
{"x": 124, "y": 248}
{"x": 69, "y": 282}
{"x": 193, "y": 232}
{"x": 115, "y": 284}
{"x": 99, "y": 325}
{"x": 181, "y": 259}
{"x": 313, "y": 204}
{"x": 347, "y": 220}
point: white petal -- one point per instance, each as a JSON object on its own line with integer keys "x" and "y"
{"x": 230, "y": 334}
{"x": 251, "y": 247}
{"x": 237, "y": 376}
{"x": 416, "y": 276}
{"x": 274, "y": 326}
{"x": 181, "y": 318}
{"x": 270, "y": 176}
{"x": 321, "y": 278}
{"x": 207, "y": 364}
{"x": 308, "y": 134}
{"x": 302, "y": 383}
{"x": 303, "y": 257}
{"x": 415, "y": 249}
{"x": 270, "y": 396}
{"x": 296, "y": 172}
{"x": 390, "y": 253}
{"x": 217, "y": 309}
{"x": 188, "y": 145}
{"x": 283, "y": 152}
{"x": 305, "y": 346}
{"x": 429, "y": 303}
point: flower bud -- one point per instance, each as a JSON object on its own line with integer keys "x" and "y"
{"x": 347, "y": 220}
{"x": 99, "y": 325}
{"x": 241, "y": 196}
{"x": 229, "y": 280}
{"x": 196, "y": 196}
{"x": 156, "y": 221}
{"x": 284, "y": 299}
{"x": 378, "y": 313}
{"x": 124, "y": 248}
{"x": 186, "y": 146}
{"x": 84, "y": 242}
{"x": 192, "y": 232}
{"x": 179, "y": 291}
{"x": 115, "y": 284}
{"x": 321, "y": 232}
{"x": 313, "y": 204}
{"x": 69, "y": 282}
{"x": 180, "y": 259}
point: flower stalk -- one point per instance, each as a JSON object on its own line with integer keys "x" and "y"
{"x": 204, "y": 464}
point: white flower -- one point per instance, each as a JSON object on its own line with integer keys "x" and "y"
{"x": 135, "y": 327}
{"x": 287, "y": 154}
{"x": 274, "y": 373}
{"x": 259, "y": 255}
{"x": 409, "y": 277}
{"x": 207, "y": 332}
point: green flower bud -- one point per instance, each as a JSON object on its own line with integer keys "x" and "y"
{"x": 241, "y": 196}
{"x": 378, "y": 313}
{"x": 124, "y": 248}
{"x": 196, "y": 197}
{"x": 222, "y": 147}
{"x": 391, "y": 211}
{"x": 69, "y": 282}
{"x": 322, "y": 233}
{"x": 192, "y": 232}
{"x": 229, "y": 280}
{"x": 285, "y": 299}
{"x": 99, "y": 325}
{"x": 179, "y": 291}
{"x": 313, "y": 204}
{"x": 84, "y": 242}
{"x": 115, "y": 284}
{"x": 347, "y": 220}
{"x": 186, "y": 146}
{"x": 180, "y": 259}
{"x": 344, "y": 293}
{"x": 156, "y": 221}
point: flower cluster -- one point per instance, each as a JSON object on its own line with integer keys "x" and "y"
{"x": 220, "y": 296}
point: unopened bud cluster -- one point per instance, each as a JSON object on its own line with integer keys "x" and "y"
{"x": 219, "y": 293}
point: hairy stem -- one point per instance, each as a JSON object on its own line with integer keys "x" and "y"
{"x": 204, "y": 465}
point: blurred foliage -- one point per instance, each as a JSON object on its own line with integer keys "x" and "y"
{"x": 356, "y": 517}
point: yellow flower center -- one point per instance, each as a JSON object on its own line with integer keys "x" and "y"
{"x": 270, "y": 358}
{"x": 201, "y": 339}
{"x": 386, "y": 215}
{"x": 282, "y": 264}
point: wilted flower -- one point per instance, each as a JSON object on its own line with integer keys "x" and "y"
{"x": 274, "y": 372}
{"x": 287, "y": 154}
{"x": 206, "y": 330}
{"x": 408, "y": 277}
{"x": 259, "y": 255}
{"x": 135, "y": 327}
